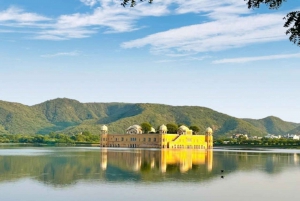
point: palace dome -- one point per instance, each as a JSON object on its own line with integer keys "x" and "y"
{"x": 152, "y": 130}
{"x": 209, "y": 130}
{"x": 136, "y": 126}
{"x": 104, "y": 128}
{"x": 183, "y": 127}
{"x": 163, "y": 128}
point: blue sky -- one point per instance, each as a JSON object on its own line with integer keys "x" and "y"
{"x": 216, "y": 54}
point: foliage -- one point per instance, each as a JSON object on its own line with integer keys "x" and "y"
{"x": 172, "y": 128}
{"x": 296, "y": 130}
{"x": 272, "y": 4}
{"x": 132, "y": 2}
{"x": 195, "y": 129}
{"x": 277, "y": 142}
{"x": 293, "y": 25}
{"x": 273, "y": 125}
{"x": 51, "y": 138}
{"x": 72, "y": 117}
{"x": 237, "y": 126}
{"x": 146, "y": 127}
{"x": 292, "y": 18}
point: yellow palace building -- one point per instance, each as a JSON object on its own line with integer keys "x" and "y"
{"x": 135, "y": 138}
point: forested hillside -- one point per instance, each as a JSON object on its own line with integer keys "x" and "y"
{"x": 70, "y": 116}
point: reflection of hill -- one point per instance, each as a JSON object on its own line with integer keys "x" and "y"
{"x": 51, "y": 169}
{"x": 65, "y": 167}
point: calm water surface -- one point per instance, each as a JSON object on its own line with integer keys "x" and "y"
{"x": 61, "y": 174}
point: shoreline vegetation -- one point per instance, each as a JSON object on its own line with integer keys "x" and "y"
{"x": 84, "y": 138}
{"x": 241, "y": 142}
{"x": 242, "y": 146}
{"x": 87, "y": 139}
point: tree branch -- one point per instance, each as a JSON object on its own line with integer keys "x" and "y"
{"x": 293, "y": 23}
{"x": 132, "y": 2}
{"x": 272, "y": 4}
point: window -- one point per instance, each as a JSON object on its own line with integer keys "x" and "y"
{"x": 122, "y": 139}
{"x": 144, "y": 139}
{"x": 116, "y": 139}
{"x": 149, "y": 139}
{"x": 154, "y": 139}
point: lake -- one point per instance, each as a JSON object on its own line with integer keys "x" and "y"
{"x": 92, "y": 173}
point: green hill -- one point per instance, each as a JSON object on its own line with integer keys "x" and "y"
{"x": 21, "y": 119}
{"x": 273, "y": 125}
{"x": 71, "y": 117}
{"x": 295, "y": 131}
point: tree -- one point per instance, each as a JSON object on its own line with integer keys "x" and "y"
{"x": 292, "y": 19}
{"x": 131, "y": 2}
{"x": 86, "y": 133}
{"x": 195, "y": 129}
{"x": 146, "y": 127}
{"x": 172, "y": 128}
{"x": 38, "y": 139}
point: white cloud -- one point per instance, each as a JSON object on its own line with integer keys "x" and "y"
{"x": 227, "y": 30}
{"x": 178, "y": 55}
{"x": 64, "y": 34}
{"x": 214, "y": 36}
{"x": 111, "y": 17}
{"x": 89, "y": 2}
{"x": 208, "y": 6}
{"x": 59, "y": 54}
{"x": 18, "y": 15}
{"x": 183, "y": 59}
{"x": 260, "y": 58}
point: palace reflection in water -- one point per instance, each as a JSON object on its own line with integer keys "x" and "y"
{"x": 67, "y": 166}
{"x": 138, "y": 160}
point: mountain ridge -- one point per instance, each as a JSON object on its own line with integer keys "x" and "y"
{"x": 71, "y": 116}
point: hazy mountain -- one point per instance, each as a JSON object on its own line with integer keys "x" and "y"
{"x": 18, "y": 118}
{"x": 70, "y": 116}
{"x": 273, "y": 125}
{"x": 294, "y": 131}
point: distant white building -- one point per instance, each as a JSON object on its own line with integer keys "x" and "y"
{"x": 236, "y": 136}
{"x": 271, "y": 136}
{"x": 294, "y": 137}
{"x": 291, "y": 136}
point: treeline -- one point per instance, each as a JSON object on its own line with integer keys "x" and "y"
{"x": 259, "y": 142}
{"x": 171, "y": 127}
{"x": 52, "y": 138}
